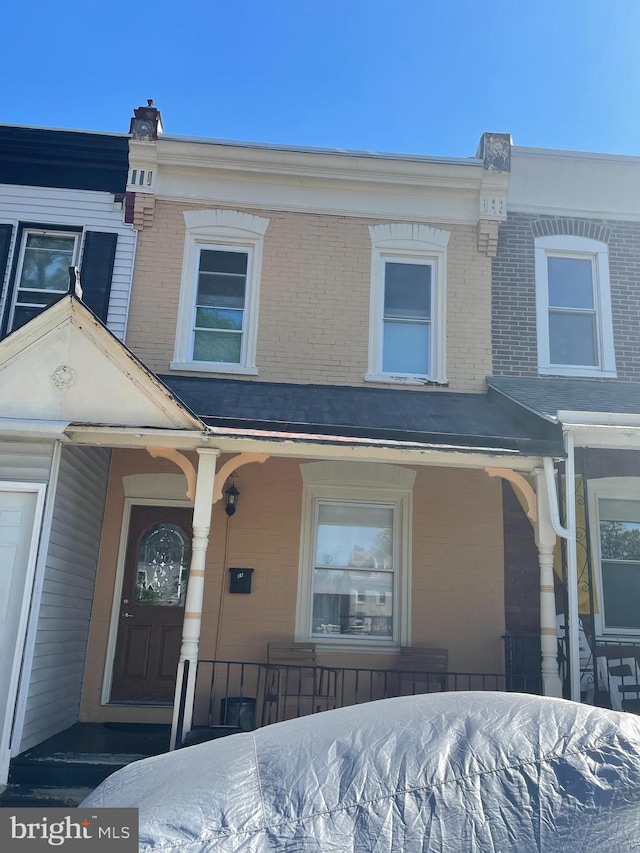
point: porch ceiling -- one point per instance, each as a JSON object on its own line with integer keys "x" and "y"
{"x": 464, "y": 422}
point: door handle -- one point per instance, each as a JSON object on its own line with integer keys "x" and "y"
{"x": 127, "y": 615}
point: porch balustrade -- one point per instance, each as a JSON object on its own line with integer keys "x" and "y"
{"x": 247, "y": 695}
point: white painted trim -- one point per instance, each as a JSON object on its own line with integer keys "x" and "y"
{"x": 409, "y": 243}
{"x": 212, "y": 367}
{"x": 598, "y": 253}
{"x": 32, "y": 629}
{"x": 236, "y": 219}
{"x": 410, "y": 233}
{"x": 114, "y": 621}
{"x": 6, "y": 735}
{"x": 617, "y": 488}
{"x": 235, "y": 231}
{"x": 569, "y": 418}
{"x": 367, "y": 483}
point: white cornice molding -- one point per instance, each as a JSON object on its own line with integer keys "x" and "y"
{"x": 409, "y": 232}
{"x": 336, "y": 165}
{"x": 225, "y": 219}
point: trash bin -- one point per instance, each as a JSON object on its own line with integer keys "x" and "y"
{"x": 238, "y": 711}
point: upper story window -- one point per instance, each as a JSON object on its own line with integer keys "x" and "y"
{"x": 407, "y": 331}
{"x": 42, "y": 275}
{"x": 355, "y": 555}
{"x": 219, "y": 298}
{"x": 573, "y": 299}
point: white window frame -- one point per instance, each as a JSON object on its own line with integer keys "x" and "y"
{"x": 411, "y": 244}
{"x": 368, "y": 483}
{"x": 584, "y": 249}
{"x": 226, "y": 230}
{"x": 41, "y": 232}
{"x": 617, "y": 488}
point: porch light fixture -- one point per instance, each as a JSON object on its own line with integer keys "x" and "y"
{"x": 231, "y": 496}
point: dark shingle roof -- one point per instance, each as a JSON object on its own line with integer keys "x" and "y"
{"x": 435, "y": 417}
{"x": 549, "y": 395}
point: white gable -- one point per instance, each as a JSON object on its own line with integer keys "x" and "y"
{"x": 65, "y": 366}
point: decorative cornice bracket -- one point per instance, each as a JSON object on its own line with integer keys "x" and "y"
{"x": 522, "y": 485}
{"x": 182, "y": 462}
{"x": 232, "y": 465}
{"x": 488, "y": 237}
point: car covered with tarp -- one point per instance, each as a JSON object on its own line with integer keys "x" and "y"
{"x": 494, "y": 772}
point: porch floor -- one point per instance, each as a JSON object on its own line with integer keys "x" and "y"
{"x": 63, "y": 769}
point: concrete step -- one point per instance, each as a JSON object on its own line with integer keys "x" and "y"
{"x": 27, "y": 796}
{"x": 67, "y": 769}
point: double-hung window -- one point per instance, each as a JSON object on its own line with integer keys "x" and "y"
{"x": 355, "y": 555}
{"x": 219, "y": 329}
{"x": 42, "y": 274}
{"x": 407, "y": 327}
{"x": 219, "y": 297}
{"x": 615, "y": 520}
{"x": 575, "y": 335}
{"x": 407, "y": 339}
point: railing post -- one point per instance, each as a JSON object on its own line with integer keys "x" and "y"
{"x": 183, "y": 680}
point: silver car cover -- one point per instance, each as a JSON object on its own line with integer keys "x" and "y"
{"x": 453, "y": 772}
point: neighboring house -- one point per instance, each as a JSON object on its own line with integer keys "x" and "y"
{"x": 566, "y": 346}
{"x": 310, "y": 331}
{"x": 61, "y": 205}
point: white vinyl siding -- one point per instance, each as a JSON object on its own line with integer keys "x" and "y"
{"x": 82, "y": 209}
{"x": 57, "y": 667}
{"x": 26, "y": 461}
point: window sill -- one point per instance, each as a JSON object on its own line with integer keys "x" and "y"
{"x": 578, "y": 372}
{"x": 213, "y": 367}
{"x": 389, "y": 379}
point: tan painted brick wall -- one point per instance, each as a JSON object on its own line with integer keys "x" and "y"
{"x": 314, "y": 298}
{"x": 458, "y": 587}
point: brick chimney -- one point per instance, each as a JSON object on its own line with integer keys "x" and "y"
{"x": 146, "y": 124}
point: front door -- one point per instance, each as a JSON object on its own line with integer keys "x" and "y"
{"x": 152, "y": 605}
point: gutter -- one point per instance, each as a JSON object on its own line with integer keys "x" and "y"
{"x": 568, "y": 533}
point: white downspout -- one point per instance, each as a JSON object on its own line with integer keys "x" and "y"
{"x": 569, "y": 534}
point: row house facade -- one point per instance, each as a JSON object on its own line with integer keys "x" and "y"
{"x": 289, "y": 441}
{"x": 566, "y": 311}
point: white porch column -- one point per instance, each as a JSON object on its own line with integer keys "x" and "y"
{"x": 202, "y": 508}
{"x": 546, "y": 540}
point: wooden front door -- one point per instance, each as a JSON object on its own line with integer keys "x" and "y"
{"x": 152, "y": 605}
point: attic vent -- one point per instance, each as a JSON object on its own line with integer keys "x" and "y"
{"x": 141, "y": 178}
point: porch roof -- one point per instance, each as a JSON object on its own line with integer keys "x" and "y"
{"x": 551, "y": 397}
{"x": 465, "y": 421}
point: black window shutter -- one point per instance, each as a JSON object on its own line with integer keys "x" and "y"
{"x": 5, "y": 243}
{"x": 97, "y": 271}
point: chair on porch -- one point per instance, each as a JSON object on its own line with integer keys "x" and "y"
{"x": 295, "y": 685}
{"x": 419, "y": 667}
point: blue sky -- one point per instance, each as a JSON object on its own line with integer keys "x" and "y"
{"x": 415, "y": 76}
